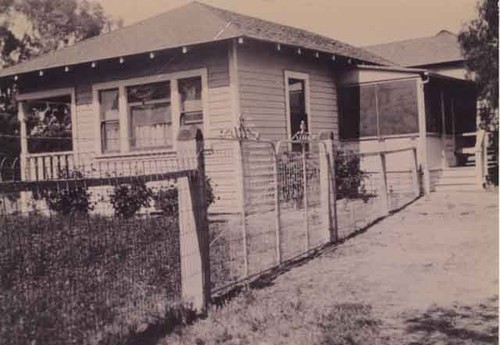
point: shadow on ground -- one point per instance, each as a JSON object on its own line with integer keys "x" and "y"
{"x": 459, "y": 325}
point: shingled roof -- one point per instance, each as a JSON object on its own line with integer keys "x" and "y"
{"x": 441, "y": 48}
{"x": 194, "y": 23}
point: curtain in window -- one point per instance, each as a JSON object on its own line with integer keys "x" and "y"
{"x": 110, "y": 114}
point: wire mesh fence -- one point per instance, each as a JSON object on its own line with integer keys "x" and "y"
{"x": 87, "y": 260}
{"x": 92, "y": 248}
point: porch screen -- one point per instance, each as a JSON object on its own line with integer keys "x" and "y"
{"x": 150, "y": 115}
{"x": 110, "y": 114}
{"x": 397, "y": 107}
{"x": 381, "y": 109}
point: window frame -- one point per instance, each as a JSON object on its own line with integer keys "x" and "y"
{"x": 150, "y": 102}
{"x": 307, "y": 94}
{"x": 38, "y": 95}
{"x": 124, "y": 113}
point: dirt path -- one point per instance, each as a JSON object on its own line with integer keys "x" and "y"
{"x": 429, "y": 273}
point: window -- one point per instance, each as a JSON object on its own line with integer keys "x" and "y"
{"x": 190, "y": 102}
{"x": 150, "y": 115}
{"x": 145, "y": 113}
{"x": 109, "y": 115}
{"x": 380, "y": 109}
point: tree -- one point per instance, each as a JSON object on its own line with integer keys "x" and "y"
{"x": 479, "y": 43}
{"x": 29, "y": 28}
{"x": 33, "y": 27}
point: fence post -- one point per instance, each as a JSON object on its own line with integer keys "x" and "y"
{"x": 416, "y": 182}
{"x": 329, "y": 199}
{"x": 385, "y": 198}
{"x": 243, "y": 207}
{"x": 306, "y": 198}
{"x": 193, "y": 223}
{"x": 277, "y": 206}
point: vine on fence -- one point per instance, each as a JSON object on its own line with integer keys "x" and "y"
{"x": 349, "y": 177}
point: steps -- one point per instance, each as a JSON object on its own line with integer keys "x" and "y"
{"x": 457, "y": 179}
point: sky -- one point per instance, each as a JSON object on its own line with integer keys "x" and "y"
{"x": 358, "y": 22}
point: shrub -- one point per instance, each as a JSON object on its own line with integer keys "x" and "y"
{"x": 128, "y": 199}
{"x": 348, "y": 176}
{"x": 69, "y": 200}
{"x": 166, "y": 199}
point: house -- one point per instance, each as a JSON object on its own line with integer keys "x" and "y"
{"x": 127, "y": 93}
{"x": 440, "y": 53}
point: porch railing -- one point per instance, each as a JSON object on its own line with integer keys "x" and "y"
{"x": 47, "y": 165}
{"x": 480, "y": 153}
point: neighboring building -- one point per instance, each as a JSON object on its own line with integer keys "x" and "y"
{"x": 440, "y": 53}
{"x": 128, "y": 92}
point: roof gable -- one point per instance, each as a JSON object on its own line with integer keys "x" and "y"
{"x": 440, "y": 48}
{"x": 175, "y": 28}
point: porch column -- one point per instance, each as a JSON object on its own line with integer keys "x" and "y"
{"x": 21, "y": 116}
{"x": 422, "y": 136}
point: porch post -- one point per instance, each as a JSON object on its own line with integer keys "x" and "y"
{"x": 21, "y": 116}
{"x": 422, "y": 135}
{"x": 444, "y": 154}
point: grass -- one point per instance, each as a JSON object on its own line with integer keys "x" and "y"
{"x": 253, "y": 318}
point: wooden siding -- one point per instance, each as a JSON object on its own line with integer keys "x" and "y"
{"x": 261, "y": 72}
{"x": 219, "y": 167}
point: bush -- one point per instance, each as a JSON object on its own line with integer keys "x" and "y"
{"x": 70, "y": 200}
{"x": 166, "y": 199}
{"x": 128, "y": 199}
{"x": 348, "y": 176}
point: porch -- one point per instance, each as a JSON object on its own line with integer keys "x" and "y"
{"x": 390, "y": 108}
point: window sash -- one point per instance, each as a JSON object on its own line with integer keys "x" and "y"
{"x": 110, "y": 136}
{"x": 187, "y": 86}
{"x": 150, "y": 131}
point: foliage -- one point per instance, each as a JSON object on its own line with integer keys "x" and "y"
{"x": 86, "y": 280}
{"x": 29, "y": 28}
{"x": 479, "y": 42}
{"x": 71, "y": 200}
{"x": 48, "y": 25}
{"x": 166, "y": 199}
{"x": 68, "y": 201}
{"x": 128, "y": 199}
{"x": 291, "y": 176}
{"x": 252, "y": 317}
{"x": 49, "y": 126}
{"x": 348, "y": 176}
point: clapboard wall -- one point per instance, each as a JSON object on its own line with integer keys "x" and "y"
{"x": 261, "y": 73}
{"x": 213, "y": 58}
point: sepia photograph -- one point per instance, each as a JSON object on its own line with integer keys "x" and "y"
{"x": 249, "y": 172}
